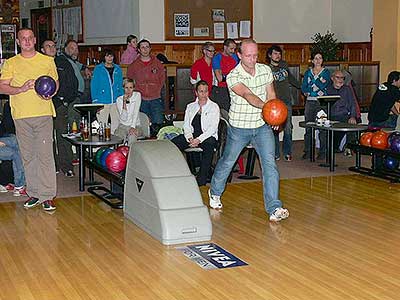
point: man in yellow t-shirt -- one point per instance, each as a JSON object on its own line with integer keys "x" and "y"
{"x": 33, "y": 117}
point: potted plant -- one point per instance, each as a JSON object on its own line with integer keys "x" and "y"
{"x": 328, "y": 45}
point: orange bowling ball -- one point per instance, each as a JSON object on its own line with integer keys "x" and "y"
{"x": 379, "y": 140}
{"x": 365, "y": 139}
{"x": 275, "y": 112}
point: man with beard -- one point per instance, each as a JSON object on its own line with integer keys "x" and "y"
{"x": 283, "y": 79}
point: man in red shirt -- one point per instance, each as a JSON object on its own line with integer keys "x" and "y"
{"x": 149, "y": 76}
{"x": 202, "y": 68}
{"x": 222, "y": 64}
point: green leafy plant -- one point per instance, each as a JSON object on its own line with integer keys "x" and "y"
{"x": 328, "y": 45}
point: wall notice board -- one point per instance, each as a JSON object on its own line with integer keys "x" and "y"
{"x": 208, "y": 19}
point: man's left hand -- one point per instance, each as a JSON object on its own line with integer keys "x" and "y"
{"x": 352, "y": 121}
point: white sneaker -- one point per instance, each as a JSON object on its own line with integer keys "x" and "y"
{"x": 3, "y": 189}
{"x": 279, "y": 214}
{"x": 215, "y": 201}
{"x": 347, "y": 152}
{"x": 19, "y": 191}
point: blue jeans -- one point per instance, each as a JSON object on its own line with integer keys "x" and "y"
{"x": 287, "y": 135}
{"x": 11, "y": 152}
{"x": 262, "y": 139}
{"x": 154, "y": 109}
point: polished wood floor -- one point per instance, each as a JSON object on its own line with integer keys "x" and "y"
{"x": 340, "y": 242}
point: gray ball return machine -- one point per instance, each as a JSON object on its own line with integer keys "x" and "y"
{"x": 161, "y": 196}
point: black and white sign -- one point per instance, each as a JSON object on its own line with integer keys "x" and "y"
{"x": 182, "y": 24}
{"x": 211, "y": 256}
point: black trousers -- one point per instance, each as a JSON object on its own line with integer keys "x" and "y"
{"x": 311, "y": 109}
{"x": 6, "y": 172}
{"x": 63, "y": 153}
{"x": 208, "y": 146}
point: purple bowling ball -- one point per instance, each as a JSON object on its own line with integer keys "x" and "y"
{"x": 395, "y": 143}
{"x": 393, "y": 135}
{"x": 45, "y": 86}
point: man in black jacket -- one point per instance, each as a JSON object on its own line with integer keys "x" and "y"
{"x": 383, "y": 112}
{"x": 283, "y": 80}
{"x": 67, "y": 95}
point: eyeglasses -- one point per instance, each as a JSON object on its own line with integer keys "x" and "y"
{"x": 50, "y": 46}
{"x": 340, "y": 77}
{"x": 212, "y": 51}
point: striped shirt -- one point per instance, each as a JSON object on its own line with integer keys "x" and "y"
{"x": 241, "y": 113}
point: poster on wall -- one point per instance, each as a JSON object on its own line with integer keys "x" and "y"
{"x": 245, "y": 29}
{"x": 218, "y": 15}
{"x": 201, "y": 31}
{"x": 219, "y": 32}
{"x": 232, "y": 30}
{"x": 182, "y": 25}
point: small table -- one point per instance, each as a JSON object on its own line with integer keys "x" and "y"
{"x": 90, "y": 109}
{"x": 332, "y": 128}
{"x": 92, "y": 142}
{"x": 328, "y": 100}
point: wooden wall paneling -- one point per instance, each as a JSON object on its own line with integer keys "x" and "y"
{"x": 184, "y": 54}
{"x": 188, "y": 53}
{"x": 295, "y": 53}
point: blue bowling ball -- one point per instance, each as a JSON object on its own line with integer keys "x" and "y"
{"x": 391, "y": 163}
{"x": 104, "y": 155}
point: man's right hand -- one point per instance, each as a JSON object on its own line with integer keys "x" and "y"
{"x": 28, "y": 85}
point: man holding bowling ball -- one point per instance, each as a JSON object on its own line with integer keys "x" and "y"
{"x": 33, "y": 116}
{"x": 250, "y": 85}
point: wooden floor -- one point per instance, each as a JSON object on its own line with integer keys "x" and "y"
{"x": 340, "y": 242}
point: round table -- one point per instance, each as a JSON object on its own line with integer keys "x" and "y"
{"x": 81, "y": 145}
{"x": 332, "y": 128}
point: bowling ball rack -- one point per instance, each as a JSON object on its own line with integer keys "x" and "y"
{"x": 113, "y": 196}
{"x": 377, "y": 168}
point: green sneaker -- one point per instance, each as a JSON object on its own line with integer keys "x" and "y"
{"x": 49, "y": 205}
{"x": 31, "y": 202}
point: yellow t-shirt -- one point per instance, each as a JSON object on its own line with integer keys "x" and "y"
{"x": 19, "y": 70}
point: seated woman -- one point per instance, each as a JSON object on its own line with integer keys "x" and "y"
{"x": 128, "y": 110}
{"x": 9, "y": 150}
{"x": 200, "y": 129}
{"x": 106, "y": 87}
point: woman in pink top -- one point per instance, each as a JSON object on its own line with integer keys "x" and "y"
{"x": 130, "y": 54}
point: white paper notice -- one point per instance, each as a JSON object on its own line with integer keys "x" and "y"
{"x": 232, "y": 30}
{"x": 245, "y": 29}
{"x": 201, "y": 31}
{"x": 219, "y": 32}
